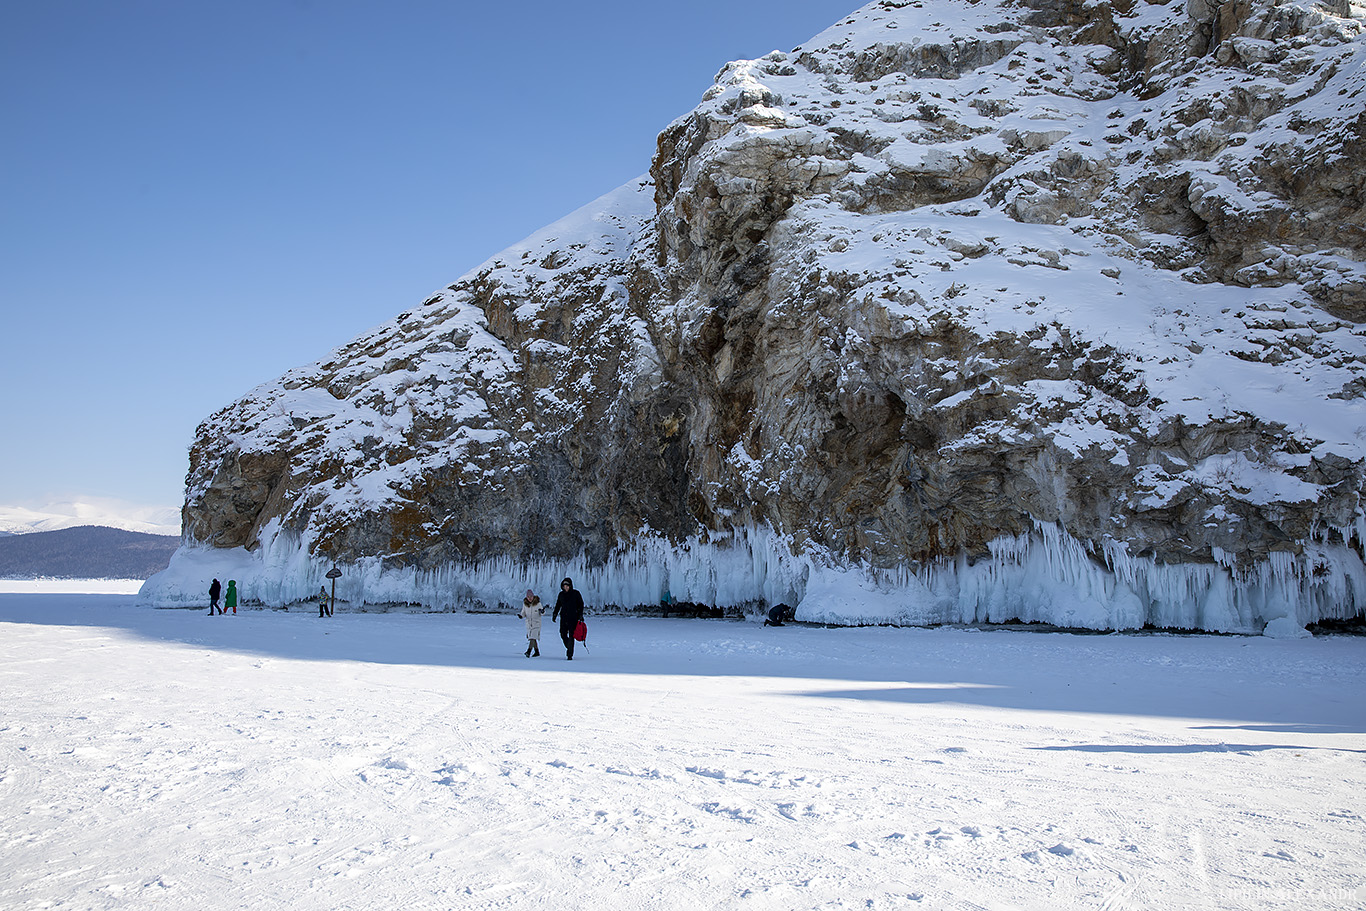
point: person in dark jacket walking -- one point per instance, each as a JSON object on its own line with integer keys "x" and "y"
{"x": 569, "y": 611}
{"x": 215, "y": 588}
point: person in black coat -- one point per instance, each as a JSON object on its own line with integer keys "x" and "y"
{"x": 215, "y": 588}
{"x": 778, "y": 613}
{"x": 569, "y": 611}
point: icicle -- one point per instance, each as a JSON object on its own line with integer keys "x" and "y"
{"x": 1044, "y": 575}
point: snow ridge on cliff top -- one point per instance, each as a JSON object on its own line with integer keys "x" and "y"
{"x": 438, "y": 357}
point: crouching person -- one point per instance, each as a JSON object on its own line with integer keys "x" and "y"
{"x": 778, "y": 613}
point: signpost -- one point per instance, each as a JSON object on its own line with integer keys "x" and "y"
{"x": 334, "y": 574}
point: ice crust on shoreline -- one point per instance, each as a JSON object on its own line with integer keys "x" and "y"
{"x": 1045, "y": 576}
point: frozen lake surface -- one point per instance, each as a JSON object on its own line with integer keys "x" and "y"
{"x": 166, "y": 759}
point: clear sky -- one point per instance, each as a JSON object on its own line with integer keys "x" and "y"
{"x": 198, "y": 196}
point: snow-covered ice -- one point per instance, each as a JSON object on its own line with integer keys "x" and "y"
{"x": 163, "y": 758}
{"x": 70, "y": 586}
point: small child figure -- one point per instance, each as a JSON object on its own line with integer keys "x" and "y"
{"x": 778, "y": 614}
{"x": 532, "y": 608}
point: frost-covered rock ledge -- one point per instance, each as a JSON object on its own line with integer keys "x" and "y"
{"x": 1044, "y": 576}
{"x": 960, "y": 312}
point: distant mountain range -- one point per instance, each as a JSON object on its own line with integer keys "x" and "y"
{"x": 85, "y": 552}
{"x": 90, "y": 511}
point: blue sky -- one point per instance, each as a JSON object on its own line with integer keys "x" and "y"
{"x": 198, "y": 196}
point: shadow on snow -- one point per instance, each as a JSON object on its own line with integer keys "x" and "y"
{"x": 1302, "y": 687}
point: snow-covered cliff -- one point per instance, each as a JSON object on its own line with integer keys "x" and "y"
{"x": 961, "y": 311}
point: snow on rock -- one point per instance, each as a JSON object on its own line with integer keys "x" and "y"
{"x": 956, "y": 313}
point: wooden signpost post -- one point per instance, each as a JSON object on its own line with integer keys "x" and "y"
{"x": 334, "y": 574}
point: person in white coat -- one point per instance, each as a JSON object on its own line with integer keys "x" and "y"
{"x": 532, "y": 608}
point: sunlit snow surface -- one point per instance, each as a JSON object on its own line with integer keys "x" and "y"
{"x": 165, "y": 759}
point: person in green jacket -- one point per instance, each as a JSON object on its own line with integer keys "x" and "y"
{"x": 230, "y": 598}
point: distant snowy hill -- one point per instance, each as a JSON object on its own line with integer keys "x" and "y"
{"x": 105, "y": 512}
{"x": 86, "y": 552}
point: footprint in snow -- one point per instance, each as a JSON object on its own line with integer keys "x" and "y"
{"x": 778, "y": 779}
{"x": 707, "y": 773}
{"x": 452, "y": 775}
{"x": 733, "y": 812}
{"x": 652, "y": 774}
{"x": 1058, "y": 850}
{"x": 792, "y": 811}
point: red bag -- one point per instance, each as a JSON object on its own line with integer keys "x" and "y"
{"x": 581, "y": 632}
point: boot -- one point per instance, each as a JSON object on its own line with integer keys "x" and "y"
{"x": 527, "y": 652}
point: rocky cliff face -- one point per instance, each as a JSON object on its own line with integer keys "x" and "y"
{"x": 960, "y": 311}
